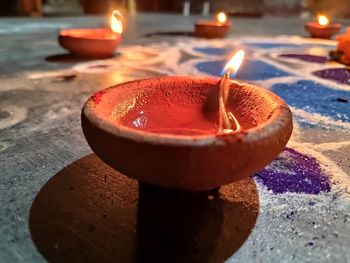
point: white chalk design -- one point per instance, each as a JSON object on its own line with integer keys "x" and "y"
{"x": 12, "y": 115}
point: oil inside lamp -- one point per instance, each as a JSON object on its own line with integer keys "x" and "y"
{"x": 322, "y": 20}
{"x": 116, "y": 22}
{"x": 228, "y": 124}
{"x": 221, "y": 18}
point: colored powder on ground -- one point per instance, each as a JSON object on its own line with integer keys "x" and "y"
{"x": 340, "y": 75}
{"x": 306, "y": 57}
{"x": 294, "y": 172}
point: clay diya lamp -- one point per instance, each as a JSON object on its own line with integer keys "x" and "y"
{"x": 93, "y": 42}
{"x": 217, "y": 28}
{"x": 164, "y": 131}
{"x": 322, "y": 28}
{"x": 342, "y": 52}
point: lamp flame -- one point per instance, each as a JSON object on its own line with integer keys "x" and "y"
{"x": 228, "y": 124}
{"x": 234, "y": 63}
{"x": 221, "y": 18}
{"x": 116, "y": 22}
{"x": 323, "y": 20}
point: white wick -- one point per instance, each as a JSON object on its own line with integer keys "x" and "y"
{"x": 226, "y": 119}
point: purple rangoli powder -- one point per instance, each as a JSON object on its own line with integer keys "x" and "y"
{"x": 340, "y": 75}
{"x": 306, "y": 57}
{"x": 294, "y": 172}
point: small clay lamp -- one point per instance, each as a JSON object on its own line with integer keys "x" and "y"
{"x": 342, "y": 52}
{"x": 93, "y": 42}
{"x": 217, "y": 28}
{"x": 322, "y": 28}
{"x": 188, "y": 133}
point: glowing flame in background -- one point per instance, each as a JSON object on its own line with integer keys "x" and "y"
{"x": 234, "y": 63}
{"x": 221, "y": 18}
{"x": 116, "y": 22}
{"x": 322, "y": 20}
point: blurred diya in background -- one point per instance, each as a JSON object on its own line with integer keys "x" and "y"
{"x": 322, "y": 28}
{"x": 217, "y": 28}
{"x": 342, "y": 53}
{"x": 186, "y": 132}
{"x": 93, "y": 42}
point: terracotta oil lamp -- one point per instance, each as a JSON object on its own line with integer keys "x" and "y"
{"x": 217, "y": 28}
{"x": 188, "y": 133}
{"x": 93, "y": 42}
{"x": 322, "y": 28}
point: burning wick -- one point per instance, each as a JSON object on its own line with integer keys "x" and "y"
{"x": 116, "y": 22}
{"x": 221, "y": 18}
{"x": 322, "y": 20}
{"x": 226, "y": 119}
